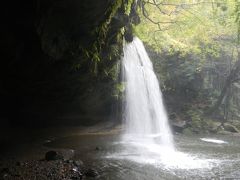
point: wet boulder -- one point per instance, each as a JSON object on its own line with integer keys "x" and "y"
{"x": 78, "y": 163}
{"x": 98, "y": 148}
{"x": 214, "y": 127}
{"x": 91, "y": 173}
{"x": 53, "y": 155}
{"x": 178, "y": 126}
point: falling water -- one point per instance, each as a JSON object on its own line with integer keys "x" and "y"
{"x": 148, "y": 138}
{"x": 145, "y": 116}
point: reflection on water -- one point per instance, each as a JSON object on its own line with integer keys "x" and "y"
{"x": 214, "y": 140}
{"x": 135, "y": 160}
{"x": 159, "y": 156}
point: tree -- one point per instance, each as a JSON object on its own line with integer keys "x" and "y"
{"x": 204, "y": 32}
{"x": 234, "y": 76}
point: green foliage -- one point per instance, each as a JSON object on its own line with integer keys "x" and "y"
{"x": 179, "y": 75}
{"x": 187, "y": 131}
{"x": 195, "y": 29}
{"x": 193, "y": 45}
{"x": 196, "y": 121}
{"x": 101, "y": 31}
{"x": 237, "y": 11}
{"x": 119, "y": 90}
{"x": 128, "y": 6}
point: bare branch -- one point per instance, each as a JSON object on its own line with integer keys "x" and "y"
{"x": 177, "y": 8}
{"x": 146, "y": 15}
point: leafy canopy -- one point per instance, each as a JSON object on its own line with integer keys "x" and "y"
{"x": 189, "y": 25}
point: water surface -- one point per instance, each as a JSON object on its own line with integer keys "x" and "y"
{"x": 194, "y": 158}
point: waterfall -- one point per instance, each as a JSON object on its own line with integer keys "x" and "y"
{"x": 145, "y": 117}
{"x": 147, "y": 138}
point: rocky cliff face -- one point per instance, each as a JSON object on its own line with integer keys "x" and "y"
{"x": 60, "y": 60}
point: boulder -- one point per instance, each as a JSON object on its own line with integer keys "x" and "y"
{"x": 91, "y": 172}
{"x": 98, "y": 148}
{"x": 230, "y": 128}
{"x": 178, "y": 126}
{"x": 187, "y": 131}
{"x": 222, "y": 132}
{"x": 236, "y": 123}
{"x": 214, "y": 127}
{"x": 78, "y": 163}
{"x": 53, "y": 155}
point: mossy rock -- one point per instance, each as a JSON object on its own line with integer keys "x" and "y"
{"x": 213, "y": 126}
{"x": 222, "y": 132}
{"x": 187, "y": 131}
{"x": 236, "y": 123}
{"x": 230, "y": 128}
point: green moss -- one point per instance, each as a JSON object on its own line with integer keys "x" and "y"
{"x": 197, "y": 123}
{"x": 119, "y": 90}
{"x": 128, "y": 7}
{"x": 94, "y": 52}
{"x": 187, "y": 131}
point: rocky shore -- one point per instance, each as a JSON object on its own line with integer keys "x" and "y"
{"x": 25, "y": 155}
{"x": 53, "y": 167}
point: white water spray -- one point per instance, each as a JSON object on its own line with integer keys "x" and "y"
{"x": 148, "y": 138}
{"x": 145, "y": 115}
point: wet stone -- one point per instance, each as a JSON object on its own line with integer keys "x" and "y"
{"x": 92, "y": 172}
{"x": 78, "y": 163}
{"x": 53, "y": 155}
{"x": 98, "y": 148}
{"x": 19, "y": 163}
{"x": 69, "y": 161}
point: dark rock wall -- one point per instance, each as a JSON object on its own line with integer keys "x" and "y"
{"x": 59, "y": 61}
